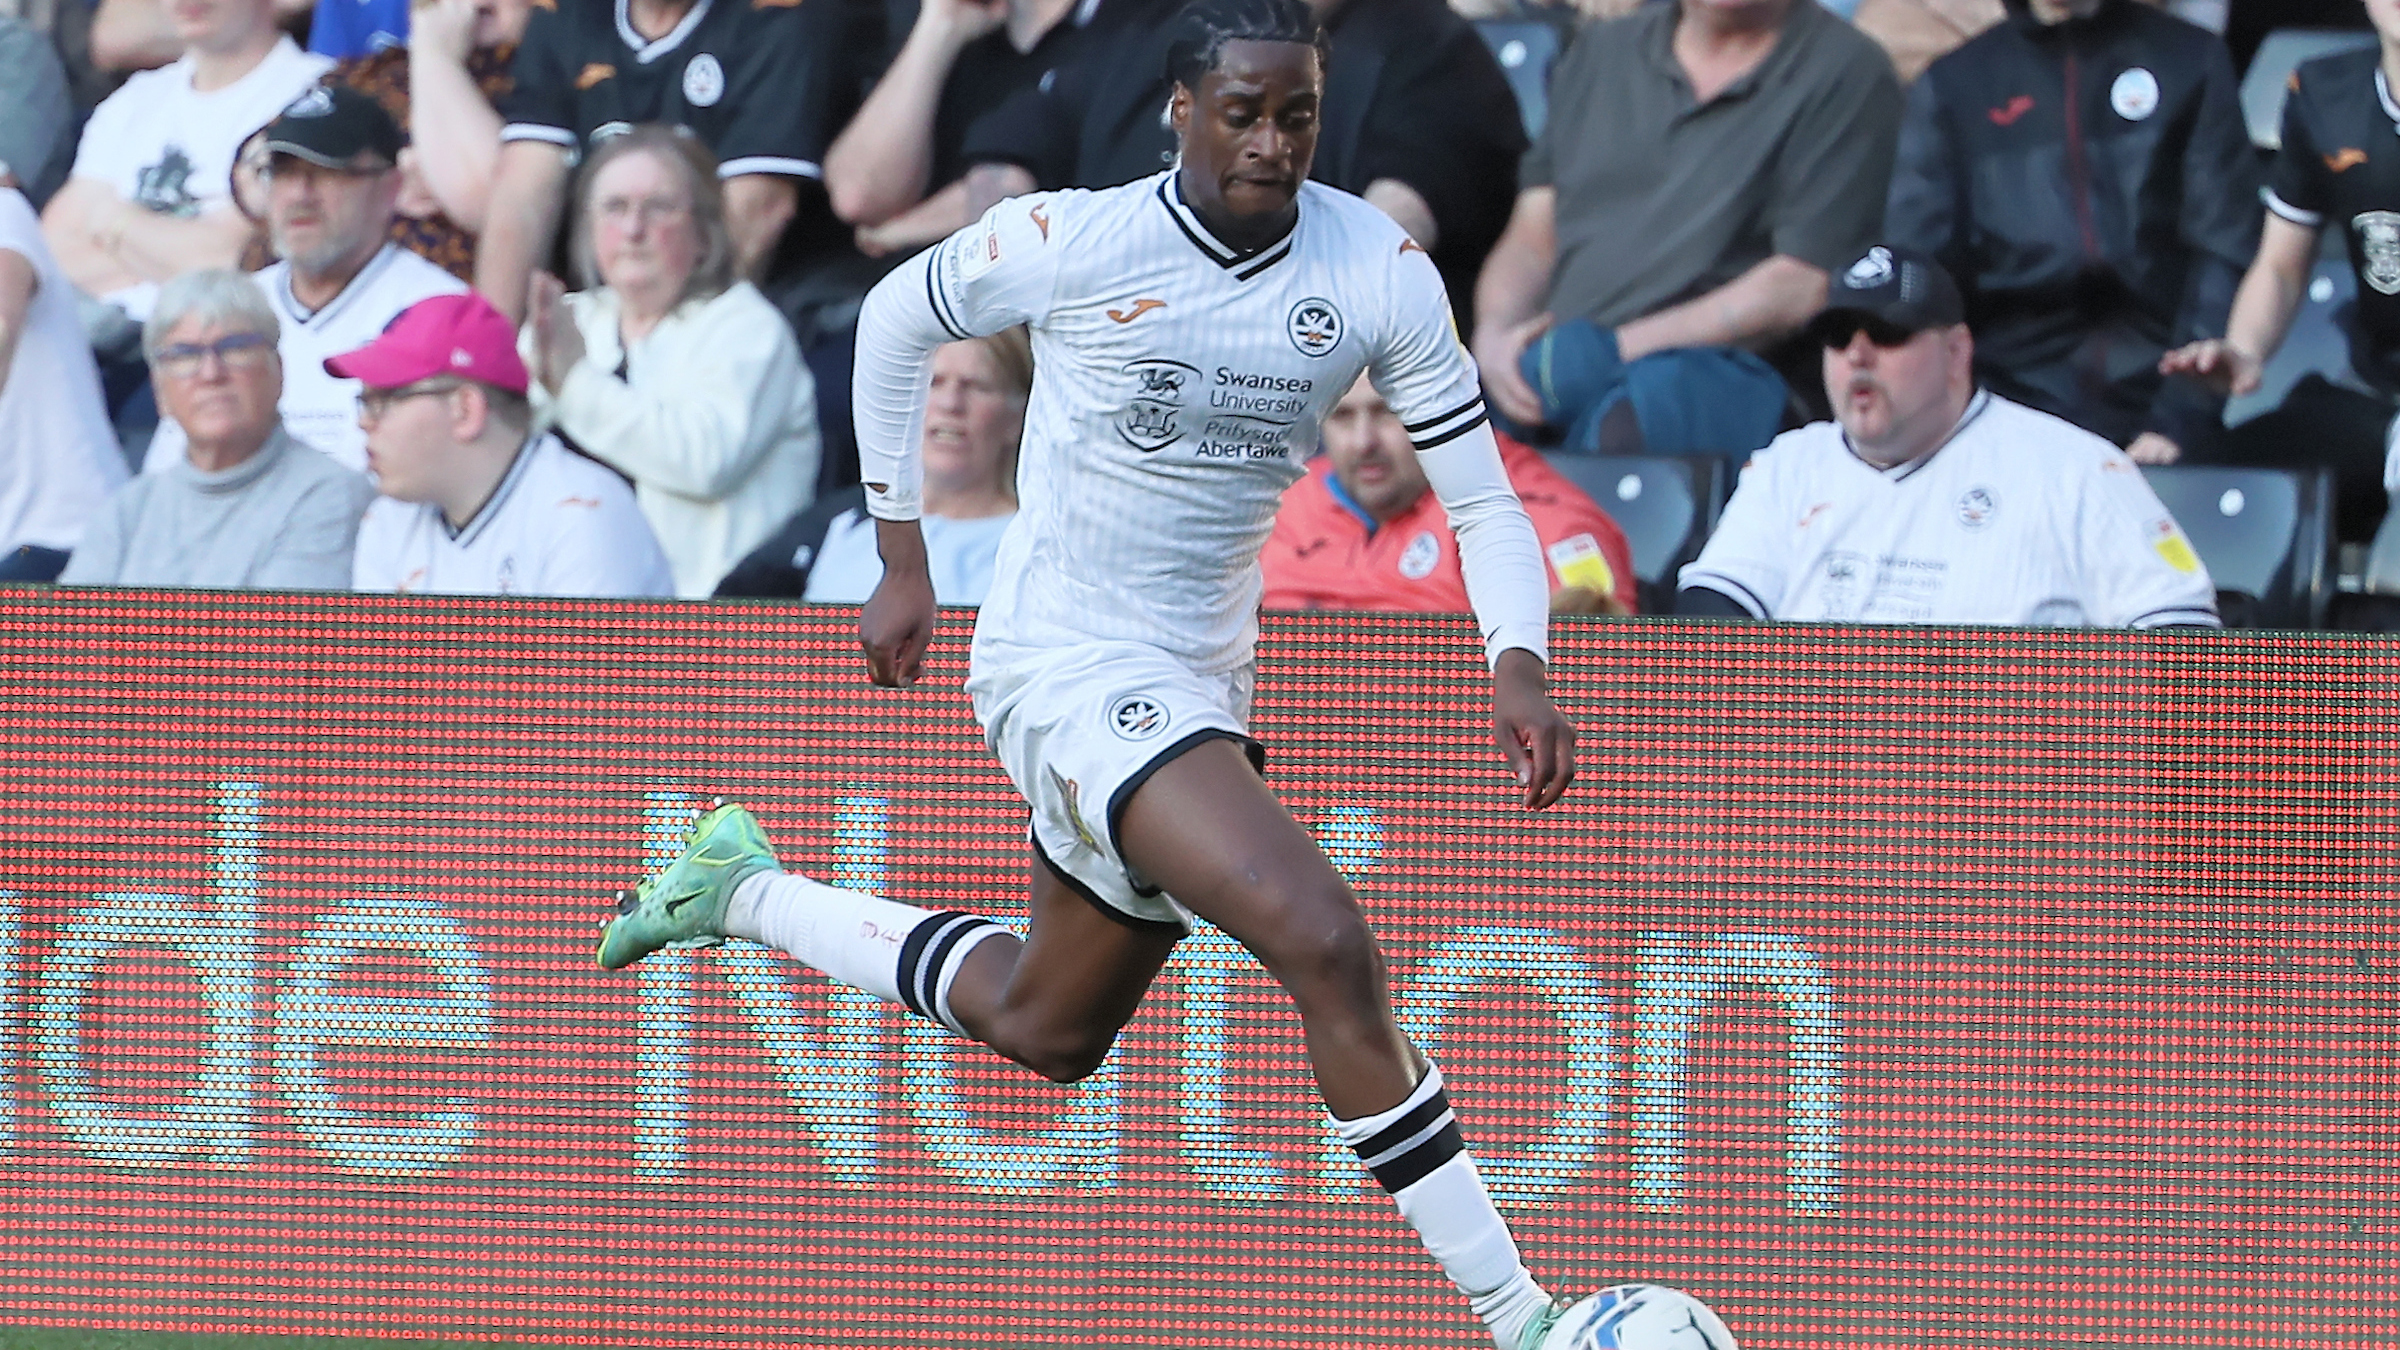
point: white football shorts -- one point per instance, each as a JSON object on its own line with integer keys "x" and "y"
{"x": 1079, "y": 729}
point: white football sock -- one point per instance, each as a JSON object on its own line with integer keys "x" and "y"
{"x": 1416, "y": 1152}
{"x": 851, "y": 936}
{"x": 891, "y": 950}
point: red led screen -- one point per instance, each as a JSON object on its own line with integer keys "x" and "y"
{"x": 1886, "y": 989}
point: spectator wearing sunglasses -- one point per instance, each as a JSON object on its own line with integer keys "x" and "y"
{"x": 1930, "y": 500}
{"x": 249, "y": 507}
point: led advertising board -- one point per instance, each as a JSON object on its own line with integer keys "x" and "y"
{"x": 1884, "y": 988}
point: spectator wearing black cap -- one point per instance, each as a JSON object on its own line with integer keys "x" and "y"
{"x": 1929, "y": 500}
{"x": 2083, "y": 168}
{"x": 332, "y": 184}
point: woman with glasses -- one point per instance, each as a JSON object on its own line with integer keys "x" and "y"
{"x": 666, "y": 368}
{"x": 250, "y": 507}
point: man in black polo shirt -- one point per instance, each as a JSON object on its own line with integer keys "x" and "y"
{"x": 759, "y": 82}
{"x": 2339, "y": 168}
{"x": 1705, "y": 168}
{"x": 898, "y": 171}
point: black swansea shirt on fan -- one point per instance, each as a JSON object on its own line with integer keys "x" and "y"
{"x": 756, "y": 81}
{"x": 2340, "y": 169}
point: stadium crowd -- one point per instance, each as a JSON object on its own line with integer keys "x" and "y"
{"x": 559, "y": 296}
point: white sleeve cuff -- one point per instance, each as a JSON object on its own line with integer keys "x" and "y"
{"x": 769, "y": 164}
{"x": 2311, "y": 219}
{"x": 535, "y": 131}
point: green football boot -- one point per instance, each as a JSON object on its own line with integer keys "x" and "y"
{"x": 684, "y": 905}
{"x": 1539, "y": 1330}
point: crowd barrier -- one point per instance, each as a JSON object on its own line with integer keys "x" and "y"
{"x": 1885, "y": 988}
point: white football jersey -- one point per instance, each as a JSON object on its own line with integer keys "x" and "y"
{"x": 321, "y": 409}
{"x": 163, "y": 145}
{"x": 558, "y": 524}
{"x": 2021, "y": 518}
{"x": 1179, "y": 385}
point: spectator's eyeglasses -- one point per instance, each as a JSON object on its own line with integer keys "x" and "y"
{"x": 234, "y": 351}
{"x": 374, "y": 403}
{"x": 648, "y": 210}
{"x": 1838, "y": 334}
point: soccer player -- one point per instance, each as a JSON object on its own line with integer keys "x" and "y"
{"x": 1191, "y": 330}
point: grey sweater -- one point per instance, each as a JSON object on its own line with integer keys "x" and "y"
{"x": 283, "y": 519}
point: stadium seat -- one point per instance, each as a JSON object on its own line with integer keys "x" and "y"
{"x": 1666, "y": 504}
{"x": 2270, "y": 74}
{"x": 1526, "y": 49}
{"x": 2265, "y": 534}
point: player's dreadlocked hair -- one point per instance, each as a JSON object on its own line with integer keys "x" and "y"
{"x": 1204, "y": 27}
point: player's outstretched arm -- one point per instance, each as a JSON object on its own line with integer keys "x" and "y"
{"x": 897, "y": 620}
{"x": 1501, "y": 558}
{"x": 1536, "y": 737}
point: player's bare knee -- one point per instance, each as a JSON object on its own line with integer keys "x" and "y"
{"x": 1066, "y": 1056}
{"x": 1330, "y": 950}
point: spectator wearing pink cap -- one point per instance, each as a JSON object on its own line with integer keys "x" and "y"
{"x": 474, "y": 501}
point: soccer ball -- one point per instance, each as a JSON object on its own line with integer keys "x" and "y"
{"x": 1639, "y": 1317}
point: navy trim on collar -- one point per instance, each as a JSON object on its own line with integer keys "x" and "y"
{"x": 1252, "y": 261}
{"x": 465, "y": 534}
{"x": 1901, "y": 473}
{"x": 358, "y": 285}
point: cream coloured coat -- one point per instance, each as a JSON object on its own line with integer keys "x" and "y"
{"x": 713, "y": 415}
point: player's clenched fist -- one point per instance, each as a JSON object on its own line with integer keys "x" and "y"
{"x": 897, "y": 620}
{"x": 1536, "y": 737}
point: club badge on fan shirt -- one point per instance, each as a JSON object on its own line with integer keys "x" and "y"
{"x": 2134, "y": 95}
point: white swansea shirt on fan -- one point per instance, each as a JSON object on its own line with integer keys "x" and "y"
{"x": 2019, "y": 518}
{"x": 557, "y": 524}
{"x": 1180, "y": 384}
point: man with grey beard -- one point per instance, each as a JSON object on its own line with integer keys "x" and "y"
{"x": 330, "y": 162}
